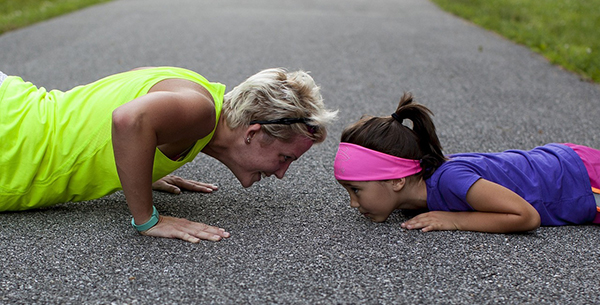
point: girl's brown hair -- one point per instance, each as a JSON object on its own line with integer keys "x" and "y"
{"x": 388, "y": 135}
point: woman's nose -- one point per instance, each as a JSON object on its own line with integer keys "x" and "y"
{"x": 281, "y": 171}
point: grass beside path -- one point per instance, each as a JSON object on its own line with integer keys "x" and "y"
{"x": 567, "y": 32}
{"x": 19, "y": 13}
{"x": 564, "y": 31}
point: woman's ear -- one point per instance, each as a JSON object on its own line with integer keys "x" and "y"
{"x": 251, "y": 132}
{"x": 398, "y": 184}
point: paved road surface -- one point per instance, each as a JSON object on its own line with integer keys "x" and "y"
{"x": 297, "y": 240}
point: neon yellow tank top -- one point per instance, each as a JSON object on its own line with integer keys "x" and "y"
{"x": 56, "y": 146}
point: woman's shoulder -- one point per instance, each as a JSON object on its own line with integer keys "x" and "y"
{"x": 169, "y": 71}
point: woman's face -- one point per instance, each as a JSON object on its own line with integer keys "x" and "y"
{"x": 265, "y": 158}
{"x": 374, "y": 199}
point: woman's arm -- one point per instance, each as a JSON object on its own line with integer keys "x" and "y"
{"x": 497, "y": 210}
{"x": 141, "y": 125}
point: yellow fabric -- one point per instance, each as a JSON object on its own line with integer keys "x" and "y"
{"x": 56, "y": 146}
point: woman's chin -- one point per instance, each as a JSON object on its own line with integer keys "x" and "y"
{"x": 246, "y": 183}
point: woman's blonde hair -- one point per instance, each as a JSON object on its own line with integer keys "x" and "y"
{"x": 275, "y": 94}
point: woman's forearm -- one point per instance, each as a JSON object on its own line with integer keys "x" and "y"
{"x": 134, "y": 145}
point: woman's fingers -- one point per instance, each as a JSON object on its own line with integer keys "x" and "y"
{"x": 196, "y": 186}
{"x": 163, "y": 186}
{"x": 172, "y": 227}
{"x": 174, "y": 184}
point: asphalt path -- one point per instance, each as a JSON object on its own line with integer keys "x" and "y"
{"x": 296, "y": 240}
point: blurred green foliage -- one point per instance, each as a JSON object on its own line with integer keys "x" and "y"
{"x": 19, "y": 13}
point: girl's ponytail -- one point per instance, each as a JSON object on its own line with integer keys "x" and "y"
{"x": 390, "y": 136}
{"x": 424, "y": 129}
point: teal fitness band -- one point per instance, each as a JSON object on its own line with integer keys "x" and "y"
{"x": 149, "y": 224}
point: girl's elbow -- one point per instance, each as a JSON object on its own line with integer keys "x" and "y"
{"x": 525, "y": 222}
{"x": 533, "y": 221}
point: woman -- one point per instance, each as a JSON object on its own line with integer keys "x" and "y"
{"x": 130, "y": 130}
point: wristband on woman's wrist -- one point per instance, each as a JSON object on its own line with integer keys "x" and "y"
{"x": 148, "y": 224}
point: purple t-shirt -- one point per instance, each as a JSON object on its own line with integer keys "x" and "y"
{"x": 552, "y": 178}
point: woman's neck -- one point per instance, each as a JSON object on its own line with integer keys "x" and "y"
{"x": 222, "y": 142}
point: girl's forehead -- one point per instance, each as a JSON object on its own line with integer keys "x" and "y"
{"x": 353, "y": 183}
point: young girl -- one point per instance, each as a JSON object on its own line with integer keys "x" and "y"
{"x": 386, "y": 165}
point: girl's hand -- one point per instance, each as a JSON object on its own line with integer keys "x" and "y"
{"x": 497, "y": 210}
{"x": 432, "y": 221}
{"x": 172, "y": 227}
{"x": 174, "y": 184}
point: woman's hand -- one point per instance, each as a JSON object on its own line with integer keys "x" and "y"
{"x": 432, "y": 221}
{"x": 172, "y": 227}
{"x": 174, "y": 184}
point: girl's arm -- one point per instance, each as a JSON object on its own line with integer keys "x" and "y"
{"x": 138, "y": 128}
{"x": 497, "y": 210}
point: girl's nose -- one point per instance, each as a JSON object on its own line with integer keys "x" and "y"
{"x": 354, "y": 203}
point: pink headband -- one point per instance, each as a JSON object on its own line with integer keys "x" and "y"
{"x": 356, "y": 163}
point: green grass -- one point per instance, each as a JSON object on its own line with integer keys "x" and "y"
{"x": 19, "y": 13}
{"x": 566, "y": 32}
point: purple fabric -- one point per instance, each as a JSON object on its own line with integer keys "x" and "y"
{"x": 552, "y": 178}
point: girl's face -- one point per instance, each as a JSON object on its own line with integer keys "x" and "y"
{"x": 376, "y": 200}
